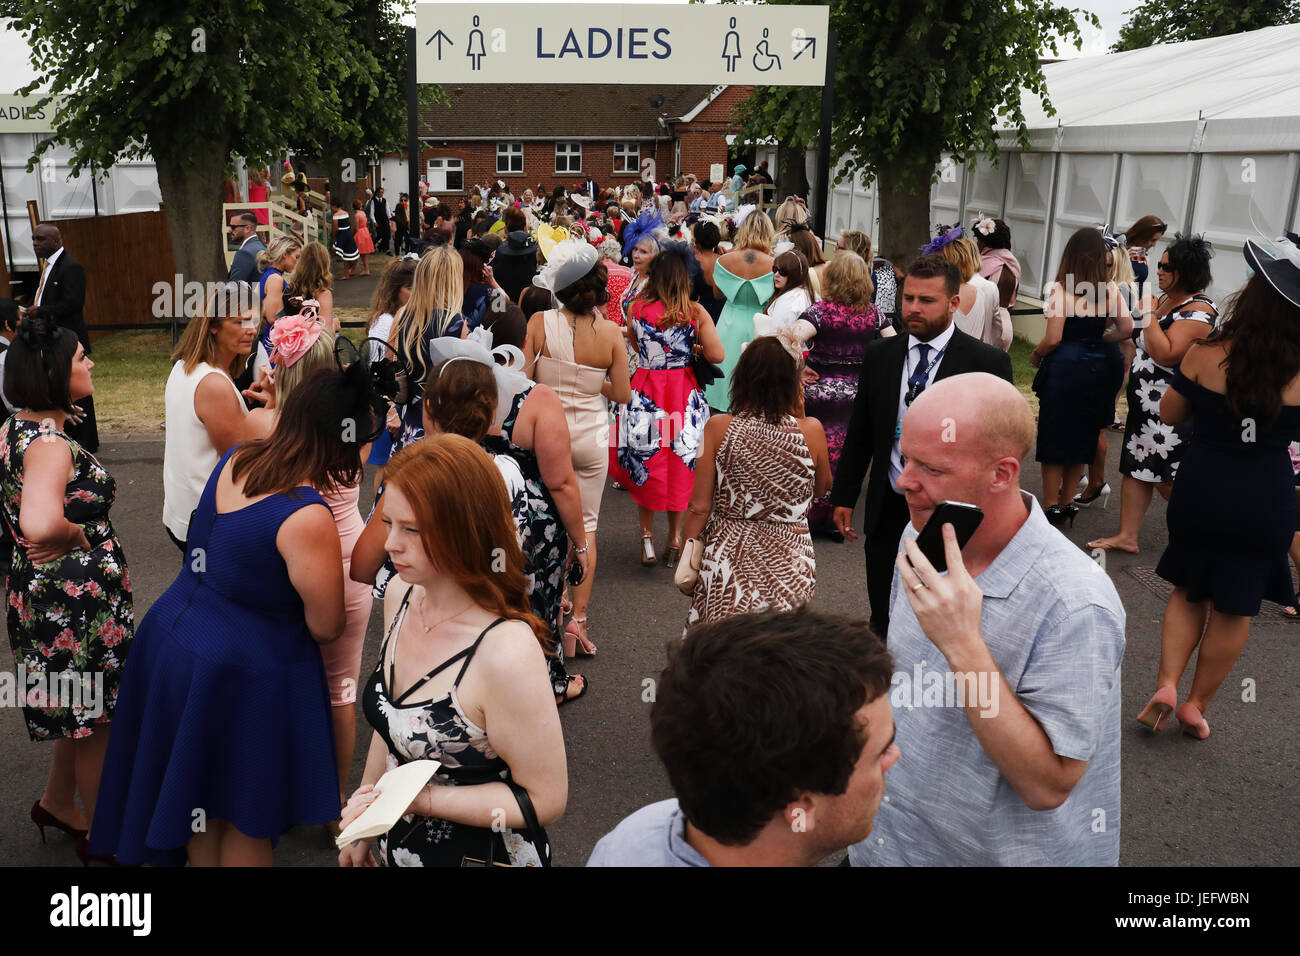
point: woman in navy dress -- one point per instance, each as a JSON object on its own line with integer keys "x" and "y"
{"x": 1083, "y": 309}
{"x": 1232, "y": 513}
{"x": 223, "y": 737}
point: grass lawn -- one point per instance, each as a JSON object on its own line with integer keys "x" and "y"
{"x": 131, "y": 370}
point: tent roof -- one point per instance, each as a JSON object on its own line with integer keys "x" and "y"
{"x": 1243, "y": 87}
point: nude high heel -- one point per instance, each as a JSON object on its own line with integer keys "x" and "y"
{"x": 1158, "y": 708}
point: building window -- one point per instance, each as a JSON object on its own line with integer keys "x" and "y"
{"x": 568, "y": 157}
{"x": 446, "y": 175}
{"x": 510, "y": 157}
{"x": 627, "y": 158}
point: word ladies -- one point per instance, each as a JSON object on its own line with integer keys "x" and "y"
{"x": 600, "y": 44}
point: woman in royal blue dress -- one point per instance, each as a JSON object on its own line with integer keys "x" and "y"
{"x": 223, "y": 737}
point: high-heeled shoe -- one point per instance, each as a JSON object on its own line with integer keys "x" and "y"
{"x": 1159, "y": 707}
{"x": 87, "y": 858}
{"x": 673, "y": 554}
{"x": 1192, "y": 722}
{"x": 1085, "y": 501}
{"x": 648, "y": 558}
{"x": 573, "y": 636}
{"x": 43, "y": 818}
{"x": 1057, "y": 516}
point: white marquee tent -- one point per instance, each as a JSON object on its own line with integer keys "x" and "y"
{"x": 1197, "y": 133}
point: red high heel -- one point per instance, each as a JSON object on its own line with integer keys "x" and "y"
{"x": 43, "y": 818}
{"x": 1159, "y": 707}
{"x": 87, "y": 858}
{"x": 1192, "y": 722}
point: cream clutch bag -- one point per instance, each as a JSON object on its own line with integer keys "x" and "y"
{"x": 688, "y": 566}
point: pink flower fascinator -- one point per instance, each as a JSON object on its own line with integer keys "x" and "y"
{"x": 293, "y": 336}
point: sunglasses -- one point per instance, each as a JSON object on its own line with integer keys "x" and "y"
{"x": 1164, "y": 267}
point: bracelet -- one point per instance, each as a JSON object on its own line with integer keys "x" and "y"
{"x": 582, "y": 550}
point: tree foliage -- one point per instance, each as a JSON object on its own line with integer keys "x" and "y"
{"x": 917, "y": 78}
{"x": 1174, "y": 21}
{"x": 194, "y": 83}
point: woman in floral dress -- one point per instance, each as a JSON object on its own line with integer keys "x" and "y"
{"x": 70, "y": 619}
{"x": 1152, "y": 449}
{"x": 659, "y": 433}
{"x": 843, "y": 324}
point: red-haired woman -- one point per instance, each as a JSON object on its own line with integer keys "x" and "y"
{"x": 461, "y": 677}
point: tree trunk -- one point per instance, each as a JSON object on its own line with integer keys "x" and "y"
{"x": 192, "y": 195}
{"x": 793, "y": 178}
{"x": 904, "y": 218}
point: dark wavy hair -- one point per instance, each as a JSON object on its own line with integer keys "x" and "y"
{"x": 1189, "y": 257}
{"x": 1262, "y": 331}
{"x": 38, "y": 368}
{"x": 1083, "y": 264}
{"x": 766, "y": 382}
{"x": 585, "y": 294}
{"x": 706, "y": 235}
{"x": 754, "y": 710}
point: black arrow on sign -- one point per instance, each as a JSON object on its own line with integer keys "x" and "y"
{"x": 808, "y": 43}
{"x": 440, "y": 36}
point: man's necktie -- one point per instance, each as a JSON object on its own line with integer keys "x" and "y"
{"x": 41, "y": 288}
{"x": 916, "y": 381}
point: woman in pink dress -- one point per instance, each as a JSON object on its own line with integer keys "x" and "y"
{"x": 361, "y": 230}
{"x": 259, "y": 191}
{"x": 660, "y": 428}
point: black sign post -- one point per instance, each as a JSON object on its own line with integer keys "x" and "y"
{"x": 824, "y": 141}
{"x": 413, "y": 210}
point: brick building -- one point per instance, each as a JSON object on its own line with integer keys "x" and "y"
{"x": 560, "y": 135}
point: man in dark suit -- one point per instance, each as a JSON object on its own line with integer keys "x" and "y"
{"x": 61, "y": 292}
{"x": 591, "y": 188}
{"x": 894, "y": 372}
{"x": 383, "y": 232}
{"x": 243, "y": 229}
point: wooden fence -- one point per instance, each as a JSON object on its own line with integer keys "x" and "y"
{"x": 124, "y": 256}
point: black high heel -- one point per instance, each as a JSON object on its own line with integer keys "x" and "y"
{"x": 43, "y": 818}
{"x": 1053, "y": 515}
{"x": 1069, "y": 513}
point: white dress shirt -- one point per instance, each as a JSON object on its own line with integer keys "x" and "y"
{"x": 49, "y": 267}
{"x": 938, "y": 344}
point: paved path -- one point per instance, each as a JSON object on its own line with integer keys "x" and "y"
{"x": 1232, "y": 799}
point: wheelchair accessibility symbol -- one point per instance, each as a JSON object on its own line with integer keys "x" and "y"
{"x": 769, "y": 60}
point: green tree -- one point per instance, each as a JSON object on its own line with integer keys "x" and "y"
{"x": 915, "y": 79}
{"x": 193, "y": 84}
{"x": 1174, "y": 21}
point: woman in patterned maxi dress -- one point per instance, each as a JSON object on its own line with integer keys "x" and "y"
{"x": 758, "y": 472}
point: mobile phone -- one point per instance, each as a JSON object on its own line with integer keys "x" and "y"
{"x": 574, "y": 575}
{"x": 963, "y": 517}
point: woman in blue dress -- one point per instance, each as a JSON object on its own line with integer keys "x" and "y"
{"x": 345, "y": 243}
{"x": 1084, "y": 309}
{"x": 222, "y": 738}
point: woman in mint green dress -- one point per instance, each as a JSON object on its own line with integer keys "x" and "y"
{"x": 744, "y": 276}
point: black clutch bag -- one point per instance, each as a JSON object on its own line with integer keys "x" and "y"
{"x": 706, "y": 373}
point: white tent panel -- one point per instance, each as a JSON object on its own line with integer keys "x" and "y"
{"x": 985, "y": 182}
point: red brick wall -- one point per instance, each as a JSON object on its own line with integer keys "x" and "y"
{"x": 480, "y": 160}
{"x": 703, "y": 143}
{"x": 704, "y": 138}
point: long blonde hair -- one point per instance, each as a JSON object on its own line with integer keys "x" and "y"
{"x": 965, "y": 255}
{"x": 439, "y": 286}
{"x": 756, "y": 232}
{"x": 280, "y": 247}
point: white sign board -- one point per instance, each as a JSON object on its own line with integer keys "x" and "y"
{"x": 20, "y": 114}
{"x": 621, "y": 43}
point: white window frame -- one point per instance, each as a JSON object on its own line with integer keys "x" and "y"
{"x": 436, "y": 172}
{"x": 626, "y": 152}
{"x": 568, "y": 151}
{"x": 509, "y": 151}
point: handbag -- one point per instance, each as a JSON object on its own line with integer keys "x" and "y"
{"x": 706, "y": 373}
{"x": 536, "y": 834}
{"x": 688, "y": 566}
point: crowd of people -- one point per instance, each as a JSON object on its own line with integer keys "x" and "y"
{"x": 722, "y": 366}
